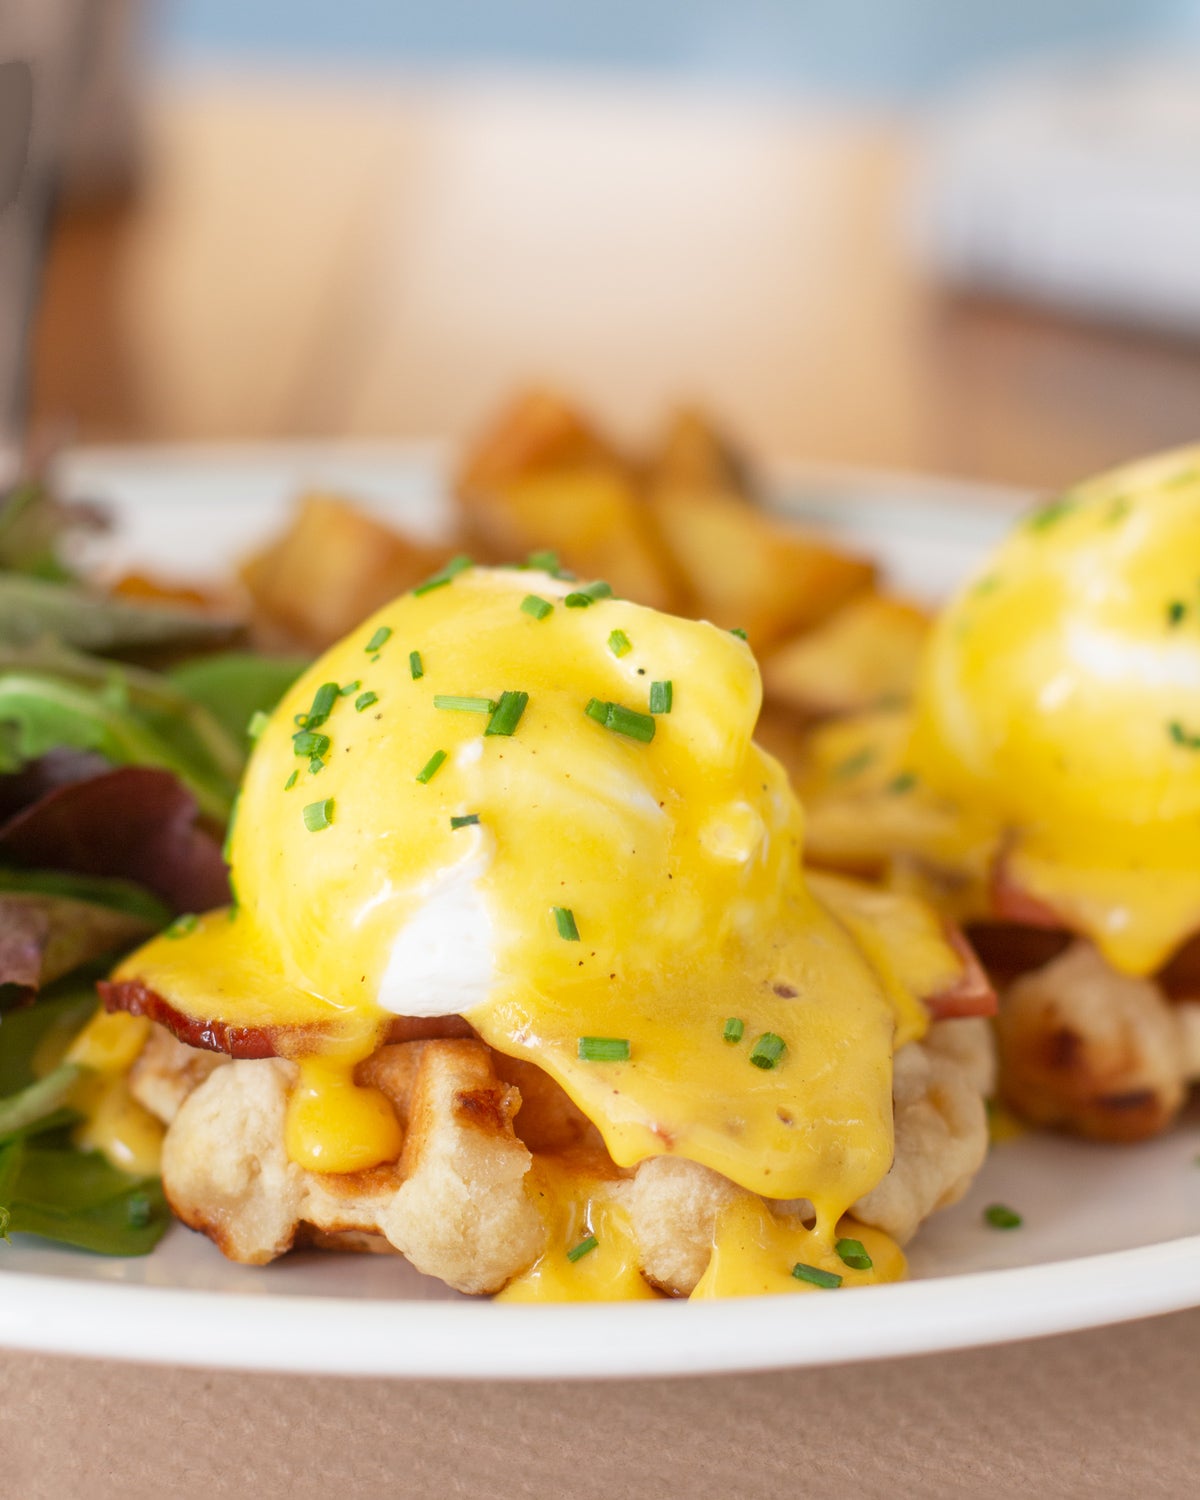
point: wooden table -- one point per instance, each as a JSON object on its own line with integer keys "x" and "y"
{"x": 345, "y": 261}
{"x": 354, "y": 259}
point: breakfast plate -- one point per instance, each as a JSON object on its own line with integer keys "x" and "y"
{"x": 1107, "y": 1233}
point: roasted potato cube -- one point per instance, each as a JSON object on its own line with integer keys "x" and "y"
{"x": 748, "y": 569}
{"x": 862, "y": 657}
{"x": 330, "y": 569}
{"x": 539, "y": 431}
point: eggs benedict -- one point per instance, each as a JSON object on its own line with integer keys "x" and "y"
{"x": 525, "y": 978}
{"x": 1046, "y": 785}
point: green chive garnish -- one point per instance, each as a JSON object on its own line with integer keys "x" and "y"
{"x": 318, "y": 815}
{"x": 619, "y": 643}
{"x": 258, "y": 722}
{"x": 768, "y": 1050}
{"x": 507, "y": 713}
{"x": 853, "y": 1253}
{"x": 735, "y": 1029}
{"x": 364, "y": 701}
{"x": 535, "y": 605}
{"x": 380, "y": 638}
{"x": 662, "y": 695}
{"x": 1050, "y": 515}
{"x": 1182, "y": 736}
{"x": 1176, "y": 611}
{"x": 815, "y": 1276}
{"x": 309, "y": 742}
{"x": 603, "y": 1049}
{"x": 902, "y": 783}
{"x": 415, "y": 665}
{"x": 453, "y": 568}
{"x": 564, "y": 919}
{"x": 621, "y": 720}
{"x": 349, "y": 687}
{"x": 464, "y": 705}
{"x": 855, "y": 763}
{"x": 581, "y": 598}
{"x": 315, "y": 765}
{"x": 182, "y": 925}
{"x": 322, "y": 705}
{"x": 1000, "y": 1217}
{"x": 544, "y": 562}
{"x": 431, "y": 767}
{"x": 582, "y": 1248}
{"x": 291, "y": 781}
{"x": 740, "y": 633}
{"x": 468, "y": 820}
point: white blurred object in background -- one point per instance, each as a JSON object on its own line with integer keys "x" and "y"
{"x": 1076, "y": 186}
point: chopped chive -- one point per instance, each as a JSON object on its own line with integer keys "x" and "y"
{"x": 380, "y": 638}
{"x": 1000, "y": 1217}
{"x": 740, "y": 633}
{"x": 507, "y": 713}
{"x": 464, "y": 705}
{"x": 1176, "y": 611}
{"x": 309, "y": 742}
{"x": 1050, "y": 515}
{"x": 415, "y": 665}
{"x": 735, "y": 1029}
{"x": 853, "y": 1253}
{"x": 364, "y": 701}
{"x": 662, "y": 696}
{"x": 855, "y": 763}
{"x": 621, "y": 720}
{"x": 815, "y": 1276}
{"x": 902, "y": 783}
{"x": 315, "y": 765}
{"x": 543, "y": 562}
{"x": 619, "y": 643}
{"x": 535, "y": 605}
{"x": 564, "y": 919}
{"x": 182, "y": 925}
{"x": 318, "y": 815}
{"x": 322, "y": 705}
{"x": 768, "y": 1050}
{"x": 258, "y": 722}
{"x": 582, "y": 1248}
{"x": 1183, "y": 737}
{"x": 589, "y": 594}
{"x": 300, "y": 721}
{"x": 468, "y": 820}
{"x": 446, "y": 575}
{"x": 349, "y": 687}
{"x": 603, "y": 1049}
{"x": 431, "y": 767}
{"x": 291, "y": 781}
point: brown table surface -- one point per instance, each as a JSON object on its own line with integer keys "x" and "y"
{"x": 364, "y": 259}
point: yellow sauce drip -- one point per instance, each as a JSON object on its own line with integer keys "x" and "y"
{"x": 754, "y": 1253}
{"x": 575, "y": 1206}
{"x": 333, "y": 1125}
{"x": 679, "y": 859}
{"x": 113, "y": 1121}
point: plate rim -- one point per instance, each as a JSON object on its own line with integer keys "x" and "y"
{"x": 322, "y": 1334}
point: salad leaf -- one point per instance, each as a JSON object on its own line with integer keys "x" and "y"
{"x": 34, "y": 524}
{"x": 44, "y": 936}
{"x": 79, "y": 1199}
{"x": 41, "y": 1105}
{"x": 133, "y": 823}
{"x": 46, "y": 1027}
{"x": 34, "y": 611}
{"x": 234, "y": 685}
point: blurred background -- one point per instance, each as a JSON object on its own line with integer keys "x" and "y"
{"x": 917, "y": 234}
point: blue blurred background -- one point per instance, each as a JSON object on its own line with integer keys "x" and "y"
{"x": 896, "y": 49}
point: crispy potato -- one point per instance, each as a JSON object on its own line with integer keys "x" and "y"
{"x": 747, "y": 569}
{"x": 538, "y": 432}
{"x": 864, "y": 656}
{"x": 694, "y": 455}
{"x": 332, "y": 567}
{"x": 590, "y": 515}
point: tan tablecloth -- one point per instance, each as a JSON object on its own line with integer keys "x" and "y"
{"x": 1109, "y": 1413}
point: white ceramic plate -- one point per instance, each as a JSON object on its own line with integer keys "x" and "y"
{"x": 1108, "y": 1233}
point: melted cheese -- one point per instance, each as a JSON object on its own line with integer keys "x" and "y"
{"x": 680, "y": 860}
{"x": 1060, "y": 702}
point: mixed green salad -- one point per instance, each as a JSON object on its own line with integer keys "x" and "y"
{"x": 122, "y": 741}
